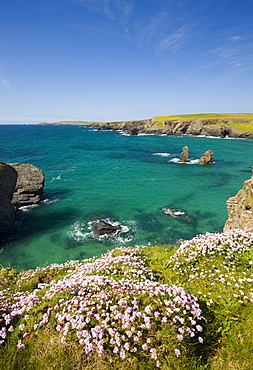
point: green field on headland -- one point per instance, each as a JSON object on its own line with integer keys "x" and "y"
{"x": 134, "y": 308}
{"x": 246, "y": 124}
{"x": 205, "y": 116}
{"x": 73, "y": 122}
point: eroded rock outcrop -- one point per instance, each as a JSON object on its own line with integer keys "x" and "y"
{"x": 29, "y": 185}
{"x": 102, "y": 227}
{"x": 8, "y": 179}
{"x": 132, "y": 131}
{"x": 240, "y": 208}
{"x": 20, "y": 185}
{"x": 184, "y": 155}
{"x": 206, "y": 158}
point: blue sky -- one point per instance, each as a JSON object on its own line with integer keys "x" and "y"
{"x": 108, "y": 60}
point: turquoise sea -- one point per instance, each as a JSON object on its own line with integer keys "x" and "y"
{"x": 92, "y": 175}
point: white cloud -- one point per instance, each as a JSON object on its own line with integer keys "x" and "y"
{"x": 114, "y": 9}
{"x": 176, "y": 39}
{"x": 235, "y": 38}
{"x": 154, "y": 27}
{"x": 237, "y": 65}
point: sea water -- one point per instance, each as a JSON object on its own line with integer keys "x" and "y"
{"x": 128, "y": 180}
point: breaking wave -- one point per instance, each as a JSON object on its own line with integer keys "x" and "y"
{"x": 84, "y": 230}
{"x": 162, "y": 154}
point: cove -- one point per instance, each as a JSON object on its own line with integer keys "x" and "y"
{"x": 128, "y": 180}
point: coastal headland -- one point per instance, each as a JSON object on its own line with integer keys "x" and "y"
{"x": 233, "y": 125}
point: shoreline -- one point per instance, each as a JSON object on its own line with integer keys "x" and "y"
{"x": 222, "y": 126}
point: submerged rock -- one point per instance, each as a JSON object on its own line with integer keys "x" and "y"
{"x": 206, "y": 158}
{"x": 105, "y": 228}
{"x": 184, "y": 155}
{"x": 181, "y": 215}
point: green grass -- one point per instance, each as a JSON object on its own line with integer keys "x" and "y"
{"x": 73, "y": 122}
{"x": 245, "y": 127}
{"x": 205, "y": 116}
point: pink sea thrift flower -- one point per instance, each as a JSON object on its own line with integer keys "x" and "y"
{"x": 20, "y": 345}
{"x": 177, "y": 352}
{"x": 200, "y": 340}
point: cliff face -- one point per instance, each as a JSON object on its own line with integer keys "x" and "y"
{"x": 29, "y": 186}
{"x": 211, "y": 127}
{"x": 20, "y": 185}
{"x": 240, "y": 208}
{"x": 8, "y": 178}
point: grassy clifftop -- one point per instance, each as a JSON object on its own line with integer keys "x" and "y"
{"x": 238, "y": 121}
{"x": 134, "y": 308}
{"x": 205, "y": 116}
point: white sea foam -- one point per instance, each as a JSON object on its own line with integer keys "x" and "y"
{"x": 191, "y": 161}
{"x": 50, "y": 201}
{"x": 56, "y": 178}
{"x": 28, "y": 208}
{"x": 83, "y": 230}
{"x": 173, "y": 212}
{"x": 162, "y": 154}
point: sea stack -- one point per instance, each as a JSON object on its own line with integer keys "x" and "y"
{"x": 184, "y": 155}
{"x": 206, "y": 158}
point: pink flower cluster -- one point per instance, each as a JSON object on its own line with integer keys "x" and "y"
{"x": 112, "y": 303}
{"x": 224, "y": 259}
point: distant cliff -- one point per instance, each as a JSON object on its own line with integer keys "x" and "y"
{"x": 240, "y": 208}
{"x": 218, "y": 127}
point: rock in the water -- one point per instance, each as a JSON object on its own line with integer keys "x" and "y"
{"x": 184, "y": 155}
{"x": 8, "y": 178}
{"x": 105, "y": 228}
{"x": 29, "y": 186}
{"x": 240, "y": 208}
{"x": 132, "y": 131}
{"x": 181, "y": 215}
{"x": 207, "y": 157}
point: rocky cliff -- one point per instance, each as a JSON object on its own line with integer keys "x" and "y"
{"x": 8, "y": 179}
{"x": 206, "y": 127}
{"x": 240, "y": 208}
{"x": 29, "y": 185}
{"x": 20, "y": 185}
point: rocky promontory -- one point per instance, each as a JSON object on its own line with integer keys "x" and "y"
{"x": 217, "y": 127}
{"x": 20, "y": 185}
{"x": 240, "y": 208}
